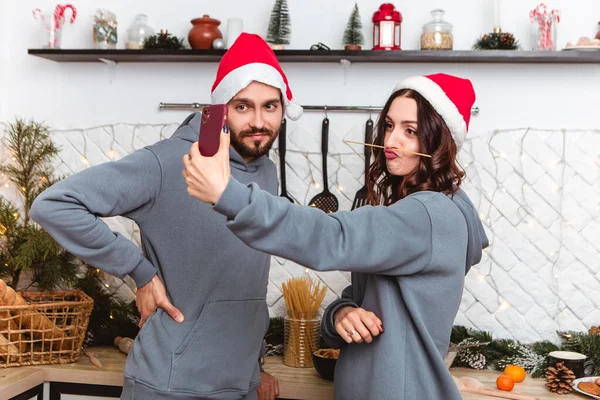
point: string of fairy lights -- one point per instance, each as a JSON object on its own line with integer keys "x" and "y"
{"x": 486, "y": 182}
{"x": 529, "y": 215}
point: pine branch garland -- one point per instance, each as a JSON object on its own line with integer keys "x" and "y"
{"x": 543, "y": 348}
{"x": 501, "y": 352}
{"x": 471, "y": 357}
{"x": 163, "y": 41}
{"x": 459, "y": 333}
{"x": 496, "y": 41}
{"x": 491, "y": 353}
{"x": 279, "y": 30}
{"x": 524, "y": 356}
{"x": 500, "y": 348}
{"x": 353, "y": 34}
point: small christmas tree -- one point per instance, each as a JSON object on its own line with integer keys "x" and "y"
{"x": 24, "y": 246}
{"x": 279, "y": 30}
{"x": 29, "y": 257}
{"x": 353, "y": 37}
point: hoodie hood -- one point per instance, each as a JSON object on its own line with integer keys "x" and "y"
{"x": 189, "y": 130}
{"x": 477, "y": 238}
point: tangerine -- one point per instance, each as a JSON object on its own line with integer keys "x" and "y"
{"x": 516, "y": 372}
{"x": 505, "y": 382}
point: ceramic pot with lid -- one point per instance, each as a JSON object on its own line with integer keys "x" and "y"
{"x": 204, "y": 32}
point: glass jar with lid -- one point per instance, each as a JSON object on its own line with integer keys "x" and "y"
{"x": 138, "y": 31}
{"x": 437, "y": 33}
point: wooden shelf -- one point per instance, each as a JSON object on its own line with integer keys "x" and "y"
{"x": 333, "y": 56}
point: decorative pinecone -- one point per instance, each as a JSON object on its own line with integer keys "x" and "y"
{"x": 274, "y": 349}
{"x": 507, "y": 40}
{"x": 559, "y": 379}
{"x": 496, "y": 41}
{"x": 90, "y": 338}
{"x": 594, "y": 330}
{"x": 469, "y": 356}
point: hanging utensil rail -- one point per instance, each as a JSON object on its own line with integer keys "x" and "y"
{"x": 198, "y": 106}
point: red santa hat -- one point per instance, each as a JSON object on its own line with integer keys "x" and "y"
{"x": 452, "y": 97}
{"x": 251, "y": 59}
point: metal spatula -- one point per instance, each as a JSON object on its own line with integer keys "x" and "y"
{"x": 362, "y": 196}
{"x": 282, "y": 145}
{"x": 325, "y": 200}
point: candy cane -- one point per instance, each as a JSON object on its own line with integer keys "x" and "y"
{"x": 545, "y": 22}
{"x": 537, "y": 15}
{"x": 73, "y": 12}
{"x": 556, "y": 13}
{"x": 37, "y": 14}
{"x": 59, "y": 13}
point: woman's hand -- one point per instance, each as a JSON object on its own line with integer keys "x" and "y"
{"x": 357, "y": 324}
{"x": 207, "y": 177}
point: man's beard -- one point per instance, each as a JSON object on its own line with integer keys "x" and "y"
{"x": 254, "y": 149}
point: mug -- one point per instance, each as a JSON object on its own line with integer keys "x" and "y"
{"x": 576, "y": 362}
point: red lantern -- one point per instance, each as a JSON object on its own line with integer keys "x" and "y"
{"x": 386, "y": 28}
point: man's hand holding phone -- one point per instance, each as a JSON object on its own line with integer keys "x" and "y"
{"x": 207, "y": 177}
{"x": 214, "y": 120}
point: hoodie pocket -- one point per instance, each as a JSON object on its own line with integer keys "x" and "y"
{"x": 221, "y": 352}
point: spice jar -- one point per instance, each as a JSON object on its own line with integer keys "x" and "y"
{"x": 105, "y": 30}
{"x": 437, "y": 33}
{"x": 138, "y": 31}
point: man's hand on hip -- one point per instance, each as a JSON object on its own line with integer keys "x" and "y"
{"x": 268, "y": 388}
{"x": 151, "y": 296}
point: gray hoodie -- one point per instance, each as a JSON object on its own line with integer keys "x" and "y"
{"x": 217, "y": 282}
{"x": 408, "y": 262}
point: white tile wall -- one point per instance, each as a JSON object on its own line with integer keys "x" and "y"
{"x": 538, "y": 193}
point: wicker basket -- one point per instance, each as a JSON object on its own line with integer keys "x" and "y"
{"x": 25, "y": 340}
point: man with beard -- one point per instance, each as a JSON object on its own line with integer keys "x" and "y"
{"x": 190, "y": 264}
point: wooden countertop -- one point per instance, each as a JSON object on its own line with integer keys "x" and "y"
{"x": 16, "y": 380}
{"x": 530, "y": 386}
{"x": 294, "y": 383}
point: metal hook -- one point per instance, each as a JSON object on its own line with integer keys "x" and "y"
{"x": 370, "y": 109}
{"x": 326, "y": 115}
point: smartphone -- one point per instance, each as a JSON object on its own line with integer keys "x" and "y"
{"x": 214, "y": 118}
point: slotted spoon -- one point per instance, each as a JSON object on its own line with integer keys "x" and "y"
{"x": 325, "y": 200}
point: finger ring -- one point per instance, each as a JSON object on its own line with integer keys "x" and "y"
{"x": 352, "y": 332}
{"x": 189, "y": 157}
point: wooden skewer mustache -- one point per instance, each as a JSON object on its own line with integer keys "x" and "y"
{"x": 395, "y": 148}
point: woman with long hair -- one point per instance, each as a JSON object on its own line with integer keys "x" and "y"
{"x": 408, "y": 251}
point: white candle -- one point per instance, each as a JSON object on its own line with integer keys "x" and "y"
{"x": 234, "y": 29}
{"x": 496, "y": 13}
